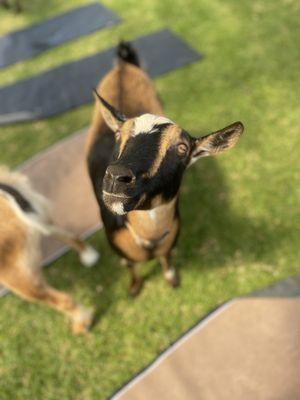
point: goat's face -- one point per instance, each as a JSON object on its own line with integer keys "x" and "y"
{"x": 150, "y": 157}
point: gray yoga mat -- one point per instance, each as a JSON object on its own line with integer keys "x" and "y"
{"x": 26, "y": 43}
{"x": 246, "y": 349}
{"x": 70, "y": 85}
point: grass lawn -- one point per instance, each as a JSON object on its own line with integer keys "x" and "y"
{"x": 240, "y": 210}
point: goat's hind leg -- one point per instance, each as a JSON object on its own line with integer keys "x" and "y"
{"x": 18, "y": 7}
{"x": 5, "y": 4}
{"x": 87, "y": 254}
{"x": 29, "y": 284}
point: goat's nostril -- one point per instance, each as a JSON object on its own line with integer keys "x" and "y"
{"x": 120, "y": 173}
{"x": 125, "y": 178}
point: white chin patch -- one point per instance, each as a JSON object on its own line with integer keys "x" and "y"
{"x": 118, "y": 208}
{"x": 145, "y": 123}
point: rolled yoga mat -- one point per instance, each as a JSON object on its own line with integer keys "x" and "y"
{"x": 26, "y": 43}
{"x": 70, "y": 85}
{"x": 247, "y": 349}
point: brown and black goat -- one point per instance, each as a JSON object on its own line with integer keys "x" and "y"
{"x": 24, "y": 218}
{"x": 136, "y": 159}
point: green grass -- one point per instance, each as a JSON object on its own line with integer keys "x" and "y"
{"x": 240, "y": 211}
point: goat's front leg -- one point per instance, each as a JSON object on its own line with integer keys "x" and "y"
{"x": 170, "y": 273}
{"x": 136, "y": 282}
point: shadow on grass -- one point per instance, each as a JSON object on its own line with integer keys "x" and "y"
{"x": 212, "y": 234}
{"x": 212, "y": 231}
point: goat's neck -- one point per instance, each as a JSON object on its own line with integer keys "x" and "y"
{"x": 154, "y": 223}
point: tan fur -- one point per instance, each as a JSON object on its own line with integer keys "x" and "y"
{"x": 148, "y": 228}
{"x": 125, "y": 241}
{"x": 138, "y": 93}
{"x": 125, "y": 134}
{"x": 20, "y": 253}
{"x": 170, "y": 136}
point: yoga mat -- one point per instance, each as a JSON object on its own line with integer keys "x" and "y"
{"x": 26, "y": 43}
{"x": 247, "y": 349}
{"x": 60, "y": 174}
{"x": 70, "y": 85}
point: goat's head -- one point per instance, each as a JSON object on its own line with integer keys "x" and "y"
{"x": 150, "y": 157}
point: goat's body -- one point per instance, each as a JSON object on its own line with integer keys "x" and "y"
{"x": 139, "y": 235}
{"x": 136, "y": 160}
{"x": 24, "y": 218}
{"x": 130, "y": 89}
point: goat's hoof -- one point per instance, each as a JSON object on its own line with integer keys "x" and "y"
{"x": 124, "y": 262}
{"x": 172, "y": 277}
{"x": 89, "y": 256}
{"x": 82, "y": 321}
{"x": 135, "y": 288}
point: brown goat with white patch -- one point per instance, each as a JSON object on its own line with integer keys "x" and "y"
{"x": 24, "y": 218}
{"x": 136, "y": 159}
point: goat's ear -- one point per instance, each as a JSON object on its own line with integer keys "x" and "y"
{"x": 111, "y": 115}
{"x": 217, "y": 142}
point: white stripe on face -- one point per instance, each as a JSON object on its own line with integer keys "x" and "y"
{"x": 145, "y": 123}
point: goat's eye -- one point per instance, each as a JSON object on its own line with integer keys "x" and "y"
{"x": 182, "y": 149}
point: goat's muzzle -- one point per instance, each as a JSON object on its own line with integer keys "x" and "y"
{"x": 118, "y": 185}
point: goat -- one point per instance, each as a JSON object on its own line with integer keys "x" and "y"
{"x": 24, "y": 218}
{"x": 136, "y": 158}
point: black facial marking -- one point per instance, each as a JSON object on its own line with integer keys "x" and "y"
{"x": 98, "y": 159}
{"x": 160, "y": 127}
{"x": 167, "y": 180}
{"x": 140, "y": 152}
{"x": 18, "y": 197}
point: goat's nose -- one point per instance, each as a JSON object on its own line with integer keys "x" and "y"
{"x": 120, "y": 173}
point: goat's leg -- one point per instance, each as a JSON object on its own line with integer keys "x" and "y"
{"x": 29, "y": 284}
{"x": 87, "y": 254}
{"x": 5, "y": 4}
{"x": 170, "y": 273}
{"x": 18, "y": 6}
{"x": 135, "y": 280}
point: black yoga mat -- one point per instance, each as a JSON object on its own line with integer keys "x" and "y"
{"x": 70, "y": 85}
{"x": 28, "y": 42}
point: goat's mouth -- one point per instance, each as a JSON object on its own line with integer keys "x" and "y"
{"x": 118, "y": 203}
{"x": 116, "y": 195}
